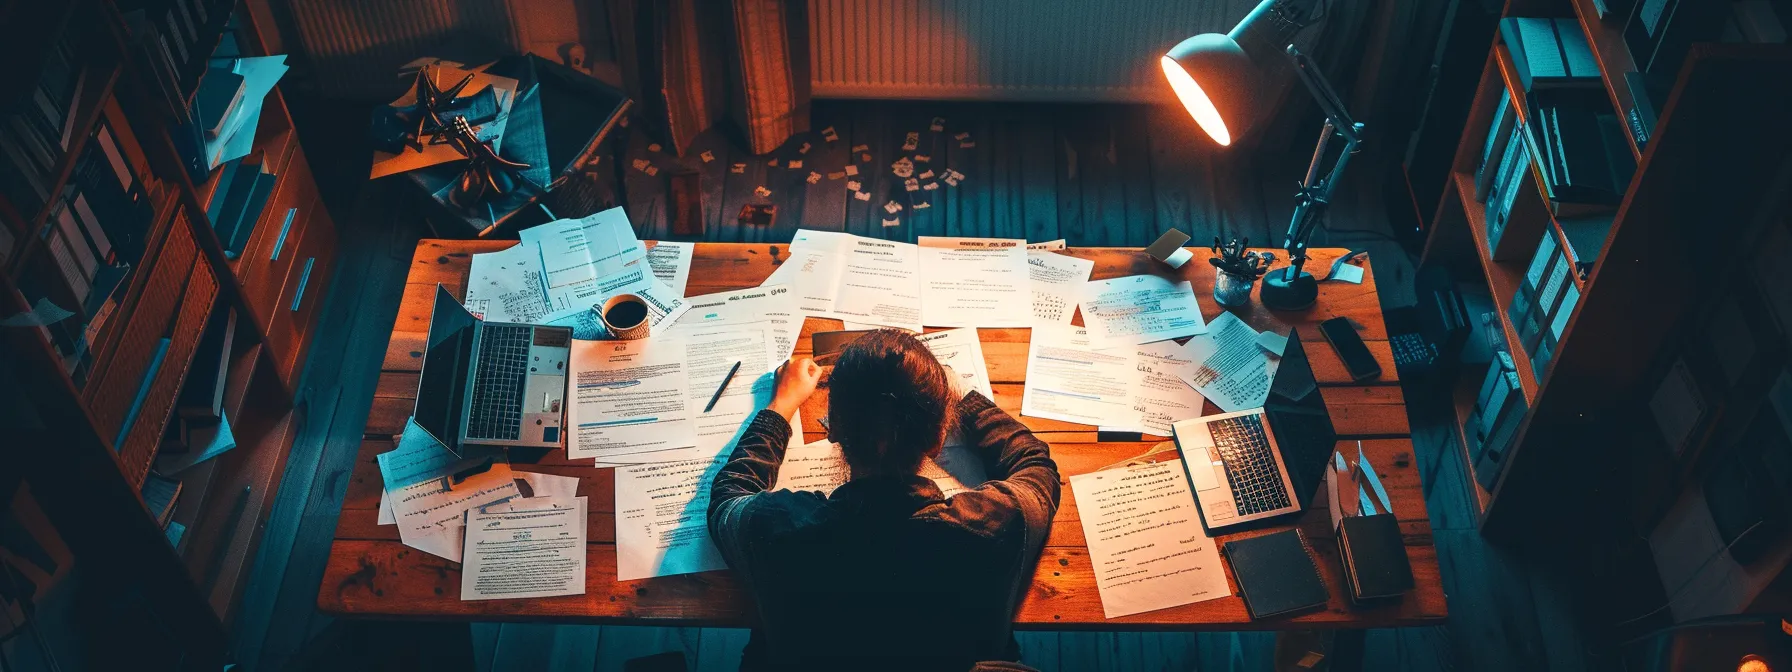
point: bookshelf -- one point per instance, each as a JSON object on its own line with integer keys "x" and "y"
{"x": 1631, "y": 293}
{"x": 110, "y": 378}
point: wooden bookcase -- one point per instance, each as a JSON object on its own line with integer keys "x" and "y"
{"x": 1719, "y": 139}
{"x": 88, "y": 474}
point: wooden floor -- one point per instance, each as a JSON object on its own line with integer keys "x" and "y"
{"x": 1095, "y": 175}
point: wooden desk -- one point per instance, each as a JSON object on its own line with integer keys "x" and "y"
{"x": 371, "y": 574}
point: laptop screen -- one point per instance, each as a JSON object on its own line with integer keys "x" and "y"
{"x": 1300, "y": 420}
{"x": 442, "y": 388}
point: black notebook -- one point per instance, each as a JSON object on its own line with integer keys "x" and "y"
{"x": 1375, "y": 562}
{"x": 1276, "y": 574}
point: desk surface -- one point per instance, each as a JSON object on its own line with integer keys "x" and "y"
{"x": 371, "y": 574}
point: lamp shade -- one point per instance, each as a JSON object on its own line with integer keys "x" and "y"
{"x": 1223, "y": 79}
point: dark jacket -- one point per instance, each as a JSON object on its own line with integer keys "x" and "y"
{"x": 886, "y": 572}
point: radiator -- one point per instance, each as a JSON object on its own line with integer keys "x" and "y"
{"x": 354, "y": 47}
{"x": 1055, "y": 50}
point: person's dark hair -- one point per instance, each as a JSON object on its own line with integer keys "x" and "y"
{"x": 888, "y": 403}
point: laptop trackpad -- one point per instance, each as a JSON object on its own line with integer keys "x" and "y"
{"x": 1201, "y": 469}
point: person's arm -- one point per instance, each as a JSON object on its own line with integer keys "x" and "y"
{"x": 1019, "y": 462}
{"x": 753, "y": 466}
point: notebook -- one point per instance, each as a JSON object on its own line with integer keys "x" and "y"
{"x": 1374, "y": 556}
{"x": 1276, "y": 574}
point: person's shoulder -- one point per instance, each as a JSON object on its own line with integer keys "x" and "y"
{"x": 775, "y": 511}
{"x": 987, "y": 510}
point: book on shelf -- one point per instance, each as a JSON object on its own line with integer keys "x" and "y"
{"x": 220, "y": 96}
{"x": 1549, "y": 52}
{"x": 1493, "y": 446}
{"x": 1514, "y": 178}
{"x": 1661, "y": 32}
{"x": 1493, "y": 151}
{"x": 1522, "y": 297}
{"x": 243, "y": 206}
{"x": 1646, "y": 94}
{"x": 206, "y": 439}
{"x": 1552, "y": 337}
{"x": 160, "y": 494}
{"x": 202, "y": 396}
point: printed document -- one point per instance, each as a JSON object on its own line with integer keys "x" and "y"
{"x": 662, "y": 518}
{"x": 813, "y": 467}
{"x": 821, "y": 467}
{"x": 505, "y": 286}
{"x": 671, "y": 264}
{"x": 769, "y": 307}
{"x": 1229, "y": 366}
{"x": 812, "y": 270}
{"x": 1159, "y": 394}
{"x": 1070, "y": 379}
{"x": 629, "y": 397}
{"x": 530, "y": 548}
{"x": 528, "y": 484}
{"x": 1145, "y": 539}
{"x": 1139, "y": 309}
{"x": 430, "y": 489}
{"x": 961, "y": 350}
{"x": 1057, "y": 284}
{"x": 974, "y": 282}
{"x": 879, "y": 284}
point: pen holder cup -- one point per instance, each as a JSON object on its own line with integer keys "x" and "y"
{"x": 625, "y": 315}
{"x": 1232, "y": 290}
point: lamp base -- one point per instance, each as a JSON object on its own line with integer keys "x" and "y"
{"x": 1282, "y": 292}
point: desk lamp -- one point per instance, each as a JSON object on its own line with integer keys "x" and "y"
{"x": 1224, "y": 81}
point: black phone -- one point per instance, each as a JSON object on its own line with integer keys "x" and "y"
{"x": 1339, "y": 332}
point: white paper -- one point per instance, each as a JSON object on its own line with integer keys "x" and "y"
{"x": 1057, "y": 284}
{"x": 1160, "y": 395}
{"x": 505, "y": 286}
{"x": 529, "y": 484}
{"x": 812, "y": 270}
{"x": 813, "y": 467}
{"x": 260, "y": 74}
{"x": 662, "y": 519}
{"x": 1229, "y": 366}
{"x": 961, "y": 350}
{"x": 879, "y": 283}
{"x": 629, "y": 397}
{"x": 587, "y": 260}
{"x": 671, "y": 264}
{"x": 1070, "y": 379}
{"x": 1139, "y": 309}
{"x": 1145, "y": 539}
{"x": 427, "y": 505}
{"x": 534, "y": 548}
{"x": 769, "y": 307}
{"x": 974, "y": 282}
{"x": 821, "y": 467}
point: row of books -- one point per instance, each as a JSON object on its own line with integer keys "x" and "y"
{"x": 1544, "y": 301}
{"x": 1499, "y": 410}
{"x": 1499, "y": 181}
{"x": 238, "y": 202}
{"x": 174, "y": 41}
{"x": 36, "y": 134}
{"x": 199, "y": 430}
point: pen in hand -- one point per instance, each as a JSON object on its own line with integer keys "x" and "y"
{"x": 720, "y": 388}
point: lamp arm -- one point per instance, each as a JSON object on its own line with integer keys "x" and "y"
{"x": 1315, "y": 194}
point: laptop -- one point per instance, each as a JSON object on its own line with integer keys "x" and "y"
{"x": 1265, "y": 462}
{"x": 491, "y": 383}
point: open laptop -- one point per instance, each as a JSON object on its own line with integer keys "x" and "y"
{"x": 491, "y": 383}
{"x": 1265, "y": 462}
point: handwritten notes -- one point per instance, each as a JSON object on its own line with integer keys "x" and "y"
{"x": 818, "y": 467}
{"x": 1145, "y": 539}
{"x": 431, "y": 489}
{"x": 1230, "y": 366}
{"x": 1139, "y": 309}
{"x": 1057, "y": 283}
{"x": 662, "y": 519}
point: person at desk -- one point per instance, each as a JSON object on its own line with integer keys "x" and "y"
{"x": 886, "y": 572}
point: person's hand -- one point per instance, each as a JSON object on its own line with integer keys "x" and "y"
{"x": 797, "y": 379}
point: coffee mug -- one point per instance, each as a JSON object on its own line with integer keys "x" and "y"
{"x": 625, "y": 315}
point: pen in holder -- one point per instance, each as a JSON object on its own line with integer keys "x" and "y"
{"x": 625, "y": 315}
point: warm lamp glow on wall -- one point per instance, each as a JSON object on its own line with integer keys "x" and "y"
{"x": 1226, "y": 83}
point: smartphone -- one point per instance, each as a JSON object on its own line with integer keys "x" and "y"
{"x": 1342, "y": 335}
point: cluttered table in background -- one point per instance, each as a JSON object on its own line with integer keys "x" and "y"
{"x": 372, "y": 575}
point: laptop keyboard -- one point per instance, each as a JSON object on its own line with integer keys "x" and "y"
{"x": 503, "y": 363}
{"x": 1243, "y": 445}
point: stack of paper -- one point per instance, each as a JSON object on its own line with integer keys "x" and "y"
{"x": 430, "y": 489}
{"x": 236, "y": 131}
{"x": 561, "y": 271}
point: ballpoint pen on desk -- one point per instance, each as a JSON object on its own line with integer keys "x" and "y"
{"x": 720, "y": 388}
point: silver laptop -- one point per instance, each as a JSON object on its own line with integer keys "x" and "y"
{"x": 491, "y": 383}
